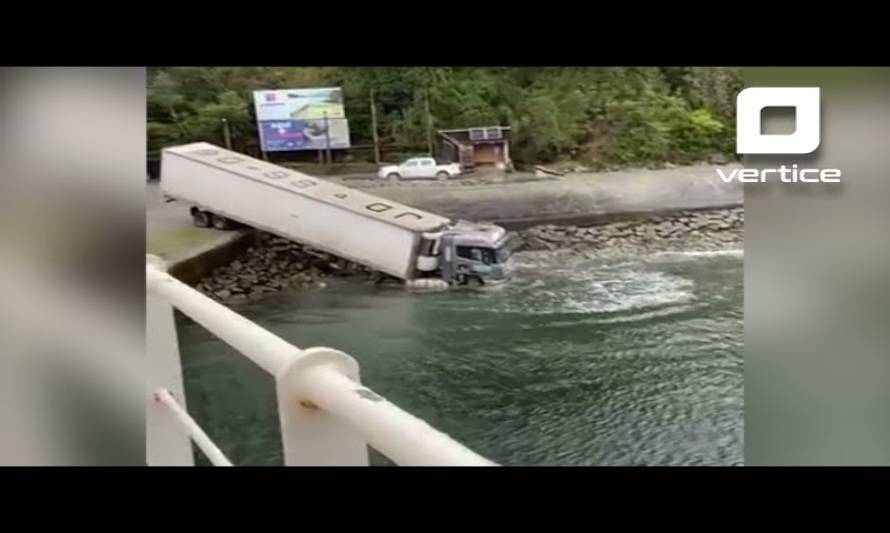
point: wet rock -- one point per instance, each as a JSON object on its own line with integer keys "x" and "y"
{"x": 684, "y": 230}
{"x": 718, "y": 159}
{"x": 551, "y": 237}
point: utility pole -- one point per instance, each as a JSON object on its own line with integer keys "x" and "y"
{"x": 227, "y": 134}
{"x": 429, "y": 123}
{"x": 374, "y": 129}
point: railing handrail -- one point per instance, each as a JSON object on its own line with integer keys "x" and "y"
{"x": 326, "y": 414}
{"x": 210, "y": 449}
{"x": 269, "y": 351}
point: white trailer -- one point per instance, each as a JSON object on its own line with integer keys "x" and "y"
{"x": 402, "y": 241}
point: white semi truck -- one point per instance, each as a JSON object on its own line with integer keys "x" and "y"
{"x": 224, "y": 187}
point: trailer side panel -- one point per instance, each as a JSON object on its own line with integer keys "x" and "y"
{"x": 351, "y": 224}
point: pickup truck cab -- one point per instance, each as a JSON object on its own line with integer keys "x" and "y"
{"x": 419, "y": 168}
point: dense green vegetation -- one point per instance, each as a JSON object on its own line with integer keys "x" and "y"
{"x": 598, "y": 117}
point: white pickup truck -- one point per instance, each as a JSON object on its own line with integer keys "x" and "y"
{"x": 419, "y": 168}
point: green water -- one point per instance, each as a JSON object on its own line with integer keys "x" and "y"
{"x": 572, "y": 363}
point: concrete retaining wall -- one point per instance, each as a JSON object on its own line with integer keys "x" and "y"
{"x": 583, "y": 198}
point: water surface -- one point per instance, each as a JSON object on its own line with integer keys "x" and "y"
{"x": 633, "y": 362}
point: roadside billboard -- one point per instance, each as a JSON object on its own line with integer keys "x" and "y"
{"x": 294, "y": 119}
{"x": 285, "y": 135}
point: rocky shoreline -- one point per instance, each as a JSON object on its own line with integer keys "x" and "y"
{"x": 273, "y": 264}
{"x": 710, "y": 230}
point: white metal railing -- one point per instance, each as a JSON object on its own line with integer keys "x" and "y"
{"x": 206, "y": 445}
{"x": 327, "y": 417}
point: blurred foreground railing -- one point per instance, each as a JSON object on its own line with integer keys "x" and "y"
{"x": 327, "y": 417}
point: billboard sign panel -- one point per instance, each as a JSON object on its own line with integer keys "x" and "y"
{"x": 287, "y": 135}
{"x": 300, "y": 104}
{"x": 293, "y": 119}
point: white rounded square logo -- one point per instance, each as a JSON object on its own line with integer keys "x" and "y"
{"x": 751, "y": 102}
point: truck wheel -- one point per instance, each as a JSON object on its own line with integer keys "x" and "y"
{"x": 392, "y": 176}
{"x": 200, "y": 219}
{"x": 220, "y": 222}
{"x": 467, "y": 280}
{"x": 443, "y": 175}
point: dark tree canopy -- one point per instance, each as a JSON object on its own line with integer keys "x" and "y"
{"x": 597, "y": 116}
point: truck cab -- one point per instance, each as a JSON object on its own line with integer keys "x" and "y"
{"x": 474, "y": 253}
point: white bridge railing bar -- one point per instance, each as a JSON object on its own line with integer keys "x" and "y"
{"x": 210, "y": 449}
{"x": 327, "y": 417}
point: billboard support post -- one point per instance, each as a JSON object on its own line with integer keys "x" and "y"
{"x": 227, "y": 134}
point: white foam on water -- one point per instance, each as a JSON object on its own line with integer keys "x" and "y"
{"x": 691, "y": 254}
{"x": 599, "y": 290}
{"x": 632, "y": 289}
{"x": 660, "y": 313}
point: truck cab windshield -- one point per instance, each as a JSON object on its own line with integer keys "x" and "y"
{"x": 486, "y": 256}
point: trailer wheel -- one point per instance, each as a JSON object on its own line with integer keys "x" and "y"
{"x": 443, "y": 175}
{"x": 392, "y": 176}
{"x": 200, "y": 219}
{"x": 220, "y": 222}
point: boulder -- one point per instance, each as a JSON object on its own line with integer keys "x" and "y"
{"x": 718, "y": 159}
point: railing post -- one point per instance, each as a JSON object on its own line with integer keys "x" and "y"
{"x": 167, "y": 443}
{"x": 310, "y": 435}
